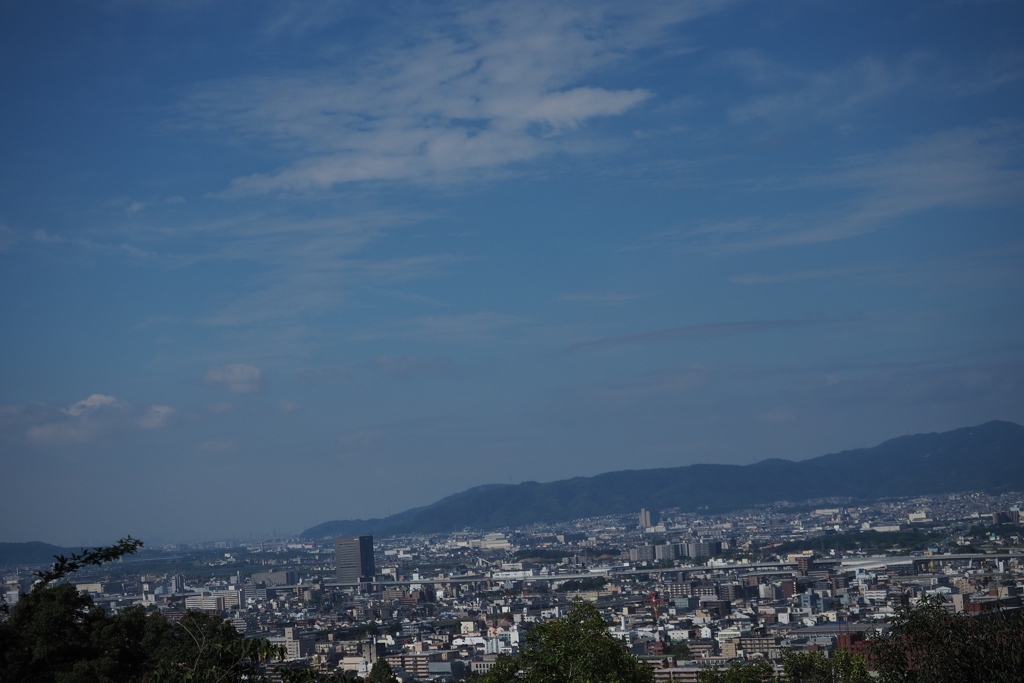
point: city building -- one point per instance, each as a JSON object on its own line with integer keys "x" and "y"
{"x": 353, "y": 557}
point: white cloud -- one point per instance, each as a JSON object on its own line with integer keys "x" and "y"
{"x": 405, "y": 366}
{"x": 599, "y": 298}
{"x": 156, "y": 417}
{"x": 312, "y": 265}
{"x": 454, "y": 93}
{"x": 287, "y": 406}
{"x": 471, "y": 327}
{"x": 961, "y": 168}
{"x": 64, "y": 433}
{"x": 91, "y": 404}
{"x": 796, "y": 276}
{"x": 238, "y": 378}
{"x": 7, "y": 237}
{"x": 91, "y": 418}
{"x": 818, "y": 94}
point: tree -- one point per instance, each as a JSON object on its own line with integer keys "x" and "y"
{"x": 797, "y": 667}
{"x": 63, "y": 566}
{"x": 313, "y": 676}
{"x": 927, "y": 643}
{"x": 204, "y": 648}
{"x": 759, "y": 672}
{"x": 56, "y": 635}
{"x": 382, "y": 673}
{"x": 47, "y": 631}
{"x": 680, "y": 650}
{"x": 574, "y": 649}
{"x": 814, "y": 667}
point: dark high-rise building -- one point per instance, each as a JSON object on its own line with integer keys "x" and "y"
{"x": 353, "y": 556}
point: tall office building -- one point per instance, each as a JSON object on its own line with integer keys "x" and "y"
{"x": 645, "y": 519}
{"x": 353, "y": 556}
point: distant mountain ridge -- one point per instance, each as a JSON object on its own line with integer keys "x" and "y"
{"x": 989, "y": 457}
{"x": 31, "y": 553}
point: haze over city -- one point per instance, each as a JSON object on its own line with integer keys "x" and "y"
{"x": 271, "y": 264}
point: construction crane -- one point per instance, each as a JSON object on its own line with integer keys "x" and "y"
{"x": 654, "y": 601}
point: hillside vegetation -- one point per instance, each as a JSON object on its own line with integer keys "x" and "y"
{"x": 989, "y": 458}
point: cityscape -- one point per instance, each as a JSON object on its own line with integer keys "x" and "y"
{"x": 493, "y": 341}
{"x": 681, "y": 591}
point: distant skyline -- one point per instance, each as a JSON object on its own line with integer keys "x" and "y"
{"x": 269, "y": 264}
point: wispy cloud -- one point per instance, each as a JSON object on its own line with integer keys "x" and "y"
{"x": 1001, "y": 267}
{"x": 691, "y": 332}
{"x": 406, "y": 366}
{"x": 7, "y": 237}
{"x": 311, "y": 266}
{"x": 817, "y": 94}
{"x": 599, "y": 298}
{"x": 482, "y": 88}
{"x": 1001, "y": 69}
{"x": 795, "y": 275}
{"x": 962, "y": 168}
{"x": 46, "y": 425}
{"x": 156, "y": 417}
{"x": 470, "y": 327}
{"x": 213, "y": 447}
{"x": 651, "y": 384}
{"x": 238, "y": 378}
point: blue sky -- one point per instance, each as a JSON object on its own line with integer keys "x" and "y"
{"x": 269, "y": 264}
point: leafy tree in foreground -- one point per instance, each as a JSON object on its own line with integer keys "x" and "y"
{"x": 63, "y": 566}
{"x": 314, "y": 676}
{"x": 797, "y": 667}
{"x": 56, "y": 635}
{"x": 381, "y": 673}
{"x": 814, "y": 667}
{"x": 758, "y": 672}
{"x": 926, "y": 644}
{"x": 574, "y": 649}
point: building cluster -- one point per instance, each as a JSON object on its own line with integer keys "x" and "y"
{"x": 682, "y": 592}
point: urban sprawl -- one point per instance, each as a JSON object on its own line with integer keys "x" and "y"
{"x": 682, "y": 590}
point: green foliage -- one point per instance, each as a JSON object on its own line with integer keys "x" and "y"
{"x": 381, "y": 673}
{"x": 593, "y": 583}
{"x": 860, "y": 540}
{"x": 47, "y": 630}
{"x": 927, "y": 644}
{"x": 797, "y": 667}
{"x": 681, "y": 650}
{"x": 89, "y": 557}
{"x": 541, "y": 555}
{"x": 814, "y": 667}
{"x": 312, "y": 676}
{"x": 574, "y": 649}
{"x": 203, "y": 648}
{"x": 56, "y": 635}
{"x": 759, "y": 672}
{"x": 1004, "y": 530}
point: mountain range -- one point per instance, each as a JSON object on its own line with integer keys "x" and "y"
{"x": 988, "y": 457}
{"x": 31, "y": 553}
